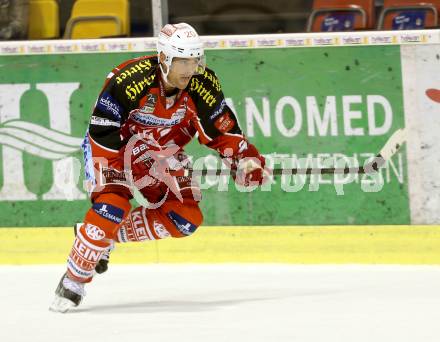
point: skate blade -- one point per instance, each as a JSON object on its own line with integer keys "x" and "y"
{"x": 61, "y": 304}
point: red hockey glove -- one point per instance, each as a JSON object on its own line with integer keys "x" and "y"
{"x": 248, "y": 167}
{"x": 158, "y": 170}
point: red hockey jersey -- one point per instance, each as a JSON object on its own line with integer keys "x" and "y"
{"x": 133, "y": 98}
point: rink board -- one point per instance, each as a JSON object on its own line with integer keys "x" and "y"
{"x": 304, "y": 96}
{"x": 277, "y": 105}
{"x": 309, "y": 96}
{"x": 416, "y": 245}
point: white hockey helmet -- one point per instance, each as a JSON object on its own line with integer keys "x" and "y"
{"x": 180, "y": 40}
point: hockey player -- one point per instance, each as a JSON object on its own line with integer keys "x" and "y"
{"x": 148, "y": 110}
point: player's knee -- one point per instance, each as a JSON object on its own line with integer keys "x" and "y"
{"x": 107, "y": 212}
{"x": 93, "y": 236}
{"x": 185, "y": 219}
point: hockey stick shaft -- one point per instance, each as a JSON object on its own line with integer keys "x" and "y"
{"x": 285, "y": 171}
{"x": 390, "y": 148}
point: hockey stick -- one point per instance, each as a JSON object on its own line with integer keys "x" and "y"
{"x": 388, "y": 150}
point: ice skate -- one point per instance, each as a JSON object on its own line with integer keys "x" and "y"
{"x": 68, "y": 294}
{"x": 102, "y": 264}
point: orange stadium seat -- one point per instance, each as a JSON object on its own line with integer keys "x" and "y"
{"x": 409, "y": 14}
{"x": 341, "y": 15}
{"x": 44, "y": 21}
{"x": 99, "y": 18}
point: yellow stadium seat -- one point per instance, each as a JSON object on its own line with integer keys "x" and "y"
{"x": 44, "y": 22}
{"x": 98, "y": 18}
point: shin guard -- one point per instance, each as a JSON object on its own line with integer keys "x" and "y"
{"x": 96, "y": 234}
{"x": 90, "y": 243}
{"x": 173, "y": 218}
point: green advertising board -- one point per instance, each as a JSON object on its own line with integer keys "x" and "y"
{"x": 299, "y": 106}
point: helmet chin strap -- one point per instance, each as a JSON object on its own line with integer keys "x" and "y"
{"x": 165, "y": 74}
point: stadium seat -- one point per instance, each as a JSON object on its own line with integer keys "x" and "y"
{"x": 98, "y": 18}
{"x": 44, "y": 22}
{"x": 409, "y": 14}
{"x": 341, "y": 15}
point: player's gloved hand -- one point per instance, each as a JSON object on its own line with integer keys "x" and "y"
{"x": 158, "y": 170}
{"x": 138, "y": 158}
{"x": 250, "y": 171}
{"x": 248, "y": 168}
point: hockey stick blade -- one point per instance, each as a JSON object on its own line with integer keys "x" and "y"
{"x": 393, "y": 144}
{"x": 388, "y": 150}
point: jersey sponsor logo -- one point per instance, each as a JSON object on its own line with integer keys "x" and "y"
{"x": 182, "y": 224}
{"x": 139, "y": 229}
{"x": 140, "y": 148}
{"x": 219, "y": 110}
{"x": 160, "y": 230}
{"x": 94, "y": 232}
{"x": 84, "y": 256}
{"x": 109, "y": 175}
{"x": 224, "y": 123}
{"x": 76, "y": 270}
{"x": 107, "y": 104}
{"x": 152, "y": 120}
{"x": 122, "y": 233}
{"x": 141, "y": 67}
{"x": 134, "y": 89}
{"x": 97, "y": 121}
{"x": 109, "y": 212}
{"x": 204, "y": 93}
{"x": 211, "y": 76}
{"x": 150, "y": 104}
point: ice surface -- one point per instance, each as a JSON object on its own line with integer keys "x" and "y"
{"x": 213, "y": 303}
